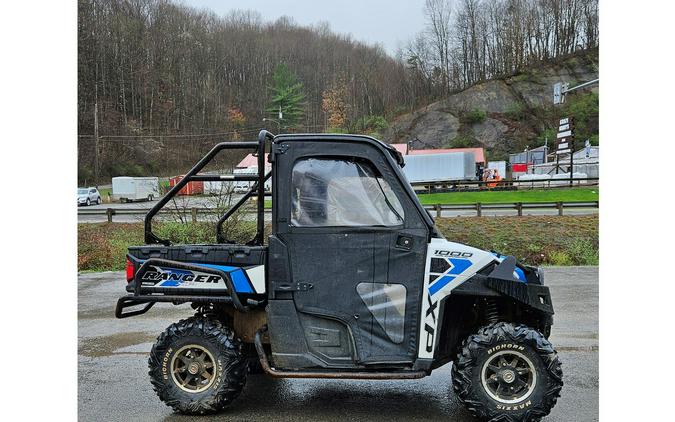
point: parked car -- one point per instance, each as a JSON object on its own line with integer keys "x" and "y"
{"x": 88, "y": 196}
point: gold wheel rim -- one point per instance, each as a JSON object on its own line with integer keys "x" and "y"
{"x": 193, "y": 368}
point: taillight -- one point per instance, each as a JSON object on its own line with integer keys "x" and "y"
{"x": 130, "y": 271}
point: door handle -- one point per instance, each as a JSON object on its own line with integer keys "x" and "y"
{"x": 404, "y": 242}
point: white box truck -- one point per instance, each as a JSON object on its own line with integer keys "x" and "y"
{"x": 129, "y": 189}
{"x": 441, "y": 167}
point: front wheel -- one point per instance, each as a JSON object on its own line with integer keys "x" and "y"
{"x": 507, "y": 372}
{"x": 197, "y": 366}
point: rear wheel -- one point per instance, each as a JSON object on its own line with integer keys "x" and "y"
{"x": 197, "y": 366}
{"x": 507, "y": 372}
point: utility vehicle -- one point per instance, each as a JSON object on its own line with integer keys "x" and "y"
{"x": 353, "y": 281}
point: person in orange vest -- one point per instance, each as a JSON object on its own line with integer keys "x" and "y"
{"x": 495, "y": 178}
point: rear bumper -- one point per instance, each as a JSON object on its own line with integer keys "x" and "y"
{"x": 149, "y": 301}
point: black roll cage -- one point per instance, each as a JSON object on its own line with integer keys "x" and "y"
{"x": 258, "y": 189}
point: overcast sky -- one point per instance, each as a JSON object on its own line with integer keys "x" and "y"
{"x": 374, "y": 21}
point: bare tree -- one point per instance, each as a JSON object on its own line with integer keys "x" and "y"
{"x": 438, "y": 14}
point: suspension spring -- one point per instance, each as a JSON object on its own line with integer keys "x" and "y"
{"x": 491, "y": 311}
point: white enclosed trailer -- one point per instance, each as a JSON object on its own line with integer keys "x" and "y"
{"x": 128, "y": 189}
{"x": 431, "y": 168}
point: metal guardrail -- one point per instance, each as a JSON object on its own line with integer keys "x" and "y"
{"x": 476, "y": 185}
{"x": 478, "y": 207}
{"x": 193, "y": 212}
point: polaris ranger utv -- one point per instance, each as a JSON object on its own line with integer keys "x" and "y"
{"x": 353, "y": 282}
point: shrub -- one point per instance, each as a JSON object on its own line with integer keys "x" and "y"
{"x": 475, "y": 116}
{"x": 559, "y": 258}
{"x": 372, "y": 125}
{"x": 463, "y": 141}
{"x": 336, "y": 130}
{"x": 186, "y": 233}
{"x": 583, "y": 252}
{"x": 584, "y": 109}
{"x": 516, "y": 111}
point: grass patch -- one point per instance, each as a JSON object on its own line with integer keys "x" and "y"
{"x": 535, "y": 195}
{"x": 535, "y": 240}
{"x": 553, "y": 240}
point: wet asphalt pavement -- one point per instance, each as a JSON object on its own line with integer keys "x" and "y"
{"x": 114, "y": 386}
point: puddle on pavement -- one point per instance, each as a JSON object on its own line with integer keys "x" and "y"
{"x": 588, "y": 335}
{"x": 577, "y": 348}
{"x": 106, "y": 346}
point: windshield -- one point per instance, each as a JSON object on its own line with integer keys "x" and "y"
{"x": 81, "y": 191}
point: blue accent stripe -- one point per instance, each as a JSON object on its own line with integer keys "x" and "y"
{"x": 442, "y": 282}
{"x": 520, "y": 274}
{"x": 241, "y": 284}
{"x": 459, "y": 265}
{"x": 225, "y": 268}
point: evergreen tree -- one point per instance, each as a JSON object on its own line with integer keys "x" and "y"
{"x": 288, "y": 96}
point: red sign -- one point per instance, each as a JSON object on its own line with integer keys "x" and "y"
{"x": 519, "y": 168}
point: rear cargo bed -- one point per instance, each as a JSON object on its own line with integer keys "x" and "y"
{"x": 235, "y": 255}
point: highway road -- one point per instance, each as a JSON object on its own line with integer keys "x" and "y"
{"x": 114, "y": 386}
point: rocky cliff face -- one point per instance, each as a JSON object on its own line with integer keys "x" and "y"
{"x": 504, "y": 115}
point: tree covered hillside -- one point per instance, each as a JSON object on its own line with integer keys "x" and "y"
{"x": 168, "y": 81}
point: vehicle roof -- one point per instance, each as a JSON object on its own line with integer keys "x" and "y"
{"x": 344, "y": 137}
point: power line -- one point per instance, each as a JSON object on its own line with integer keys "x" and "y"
{"x": 192, "y": 135}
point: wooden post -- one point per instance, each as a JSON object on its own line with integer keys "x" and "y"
{"x": 479, "y": 209}
{"x": 110, "y": 212}
{"x": 437, "y": 207}
{"x": 572, "y": 168}
{"x": 194, "y": 214}
{"x": 519, "y": 207}
{"x": 560, "y": 208}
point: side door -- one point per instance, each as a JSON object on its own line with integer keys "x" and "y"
{"x": 356, "y": 246}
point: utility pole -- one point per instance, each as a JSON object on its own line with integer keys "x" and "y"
{"x": 96, "y": 163}
{"x": 565, "y": 138}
